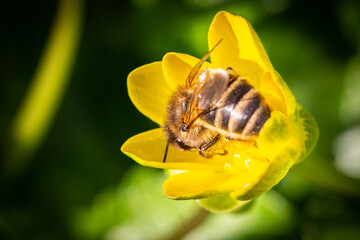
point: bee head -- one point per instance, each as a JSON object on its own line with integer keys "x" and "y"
{"x": 183, "y": 127}
{"x": 175, "y": 128}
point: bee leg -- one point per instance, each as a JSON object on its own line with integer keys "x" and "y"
{"x": 233, "y": 74}
{"x": 229, "y": 138}
{"x": 209, "y": 149}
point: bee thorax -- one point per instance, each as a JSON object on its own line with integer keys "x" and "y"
{"x": 216, "y": 73}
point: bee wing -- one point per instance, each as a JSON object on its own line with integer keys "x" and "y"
{"x": 207, "y": 94}
{"x": 190, "y": 81}
{"x": 210, "y": 92}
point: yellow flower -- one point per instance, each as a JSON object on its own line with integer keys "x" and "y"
{"x": 246, "y": 171}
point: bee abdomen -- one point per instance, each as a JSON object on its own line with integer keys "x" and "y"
{"x": 257, "y": 120}
{"x": 242, "y": 112}
{"x": 236, "y": 90}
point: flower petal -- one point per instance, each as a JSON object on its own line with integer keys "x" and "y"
{"x": 277, "y": 170}
{"x": 202, "y": 184}
{"x": 177, "y": 66}
{"x": 277, "y": 93}
{"x": 281, "y": 148}
{"x": 148, "y": 149}
{"x": 240, "y": 41}
{"x": 242, "y": 50}
{"x": 149, "y": 91}
{"x": 274, "y": 135}
{"x": 249, "y": 70}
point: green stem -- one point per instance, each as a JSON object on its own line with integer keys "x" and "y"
{"x": 48, "y": 85}
{"x": 190, "y": 225}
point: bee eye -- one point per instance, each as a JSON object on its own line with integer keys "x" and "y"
{"x": 183, "y": 127}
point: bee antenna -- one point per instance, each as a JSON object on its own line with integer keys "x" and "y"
{"x": 198, "y": 116}
{"x": 196, "y": 68}
{"x": 166, "y": 150}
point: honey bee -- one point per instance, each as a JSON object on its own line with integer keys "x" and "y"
{"x": 214, "y": 106}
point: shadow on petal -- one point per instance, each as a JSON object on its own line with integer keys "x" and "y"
{"x": 277, "y": 93}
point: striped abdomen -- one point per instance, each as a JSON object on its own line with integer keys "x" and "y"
{"x": 241, "y": 111}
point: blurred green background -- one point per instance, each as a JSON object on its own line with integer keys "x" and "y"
{"x": 72, "y": 182}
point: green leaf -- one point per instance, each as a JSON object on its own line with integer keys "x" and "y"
{"x": 224, "y": 203}
{"x": 311, "y": 131}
